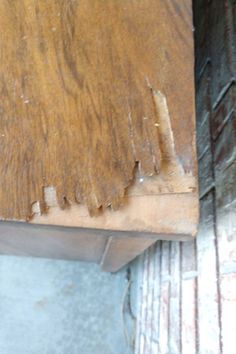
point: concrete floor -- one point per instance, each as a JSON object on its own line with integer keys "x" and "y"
{"x": 57, "y": 307}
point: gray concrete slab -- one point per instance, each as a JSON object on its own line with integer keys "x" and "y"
{"x": 60, "y": 307}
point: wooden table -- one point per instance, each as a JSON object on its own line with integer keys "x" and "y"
{"x": 97, "y": 128}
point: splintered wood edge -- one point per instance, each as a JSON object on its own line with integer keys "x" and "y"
{"x": 166, "y": 203}
{"x": 143, "y": 193}
{"x": 162, "y": 214}
{"x": 165, "y": 91}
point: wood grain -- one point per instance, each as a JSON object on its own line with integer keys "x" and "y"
{"x": 77, "y": 110}
{"x": 21, "y": 239}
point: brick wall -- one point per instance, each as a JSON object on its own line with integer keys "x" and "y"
{"x": 188, "y": 290}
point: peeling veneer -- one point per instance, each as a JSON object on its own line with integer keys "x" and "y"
{"x": 89, "y": 118}
{"x": 97, "y": 127}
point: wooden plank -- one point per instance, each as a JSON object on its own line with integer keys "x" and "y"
{"x": 223, "y": 112}
{"x": 206, "y": 180}
{"x": 83, "y": 86}
{"x": 129, "y": 242}
{"x": 98, "y": 125}
{"x": 228, "y": 301}
{"x": 140, "y": 214}
{"x": 225, "y": 198}
{"x": 225, "y": 149}
{"x": 202, "y": 97}
{"x": 51, "y": 242}
{"x": 122, "y": 250}
{"x": 203, "y": 139}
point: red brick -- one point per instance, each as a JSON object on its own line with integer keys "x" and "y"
{"x": 153, "y": 281}
{"x": 226, "y": 235}
{"x": 143, "y": 305}
{"x": 188, "y": 317}
{"x": 228, "y": 305}
{"x": 146, "y": 325}
{"x": 147, "y": 331}
{"x": 174, "y": 325}
{"x": 188, "y": 257}
{"x": 208, "y": 325}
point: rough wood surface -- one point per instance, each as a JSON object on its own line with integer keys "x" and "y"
{"x": 175, "y": 214}
{"x": 83, "y": 86}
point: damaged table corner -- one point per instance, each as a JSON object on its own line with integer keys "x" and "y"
{"x": 98, "y": 128}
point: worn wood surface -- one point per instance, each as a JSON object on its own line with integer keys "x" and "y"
{"x": 79, "y": 82}
{"x": 97, "y": 124}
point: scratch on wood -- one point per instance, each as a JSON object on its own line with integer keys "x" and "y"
{"x": 131, "y": 134}
{"x": 166, "y": 135}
